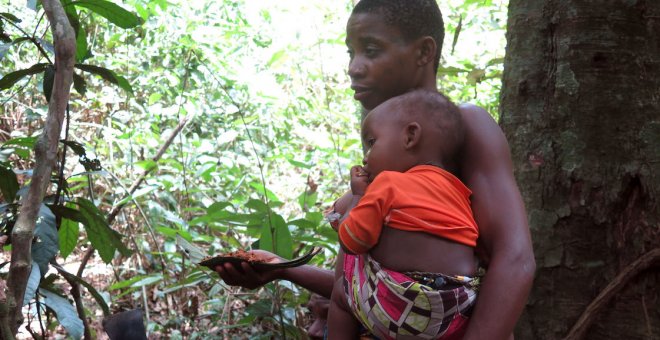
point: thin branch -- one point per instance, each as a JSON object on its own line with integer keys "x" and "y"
{"x": 45, "y": 158}
{"x": 644, "y": 262}
{"x": 113, "y": 213}
{"x": 34, "y": 40}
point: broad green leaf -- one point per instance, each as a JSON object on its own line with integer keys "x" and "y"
{"x": 149, "y": 280}
{"x": 307, "y": 200}
{"x": 126, "y": 283}
{"x": 192, "y": 280}
{"x": 217, "y": 206}
{"x": 11, "y": 78}
{"x": 146, "y": 165}
{"x": 257, "y": 205}
{"x": 299, "y": 164}
{"x": 32, "y": 284}
{"x": 26, "y": 142}
{"x": 8, "y": 184}
{"x": 99, "y": 233}
{"x": 278, "y": 239}
{"x": 106, "y": 74}
{"x": 66, "y": 313}
{"x": 97, "y": 296}
{"x": 68, "y": 233}
{"x": 277, "y": 56}
{"x": 195, "y": 253}
{"x": 81, "y": 45}
{"x": 10, "y": 17}
{"x": 77, "y": 148}
{"x": 47, "y": 244}
{"x": 261, "y": 189}
{"x": 114, "y": 13}
{"x": 79, "y": 84}
{"x": 154, "y": 97}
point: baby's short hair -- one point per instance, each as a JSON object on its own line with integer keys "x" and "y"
{"x": 434, "y": 109}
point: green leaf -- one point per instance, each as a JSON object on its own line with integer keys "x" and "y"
{"x": 47, "y": 244}
{"x": 47, "y": 83}
{"x": 106, "y": 74}
{"x": 114, "y": 13}
{"x": 10, "y": 17}
{"x": 299, "y": 164}
{"x": 257, "y": 205}
{"x": 95, "y": 293}
{"x": 32, "y": 284}
{"x": 11, "y": 78}
{"x": 307, "y": 200}
{"x": 99, "y": 233}
{"x": 278, "y": 239}
{"x": 26, "y": 142}
{"x": 77, "y": 148}
{"x": 68, "y": 233}
{"x": 79, "y": 84}
{"x": 195, "y": 253}
{"x": 126, "y": 283}
{"x": 146, "y": 165}
{"x": 8, "y": 183}
{"x": 66, "y": 314}
{"x": 81, "y": 45}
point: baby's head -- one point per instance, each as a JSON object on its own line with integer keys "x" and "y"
{"x": 418, "y": 127}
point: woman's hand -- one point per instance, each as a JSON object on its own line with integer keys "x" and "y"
{"x": 359, "y": 180}
{"x": 246, "y": 276}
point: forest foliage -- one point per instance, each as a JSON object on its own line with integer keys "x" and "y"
{"x": 255, "y": 100}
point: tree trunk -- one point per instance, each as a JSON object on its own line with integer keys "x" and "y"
{"x": 45, "y": 158}
{"x": 580, "y": 106}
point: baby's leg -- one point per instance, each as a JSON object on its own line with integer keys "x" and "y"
{"x": 341, "y": 323}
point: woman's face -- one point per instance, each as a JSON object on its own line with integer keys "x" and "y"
{"x": 382, "y": 64}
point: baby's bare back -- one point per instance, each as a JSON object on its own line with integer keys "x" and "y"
{"x": 407, "y": 251}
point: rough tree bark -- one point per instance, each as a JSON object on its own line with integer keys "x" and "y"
{"x": 581, "y": 108}
{"x": 45, "y": 158}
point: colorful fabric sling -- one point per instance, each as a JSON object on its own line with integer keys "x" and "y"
{"x": 393, "y": 305}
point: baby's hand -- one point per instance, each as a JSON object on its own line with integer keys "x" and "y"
{"x": 359, "y": 180}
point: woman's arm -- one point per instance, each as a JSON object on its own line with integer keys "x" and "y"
{"x": 315, "y": 279}
{"x": 503, "y": 230}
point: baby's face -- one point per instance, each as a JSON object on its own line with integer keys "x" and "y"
{"x": 384, "y": 138}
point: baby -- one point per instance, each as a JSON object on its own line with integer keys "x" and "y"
{"x": 409, "y": 235}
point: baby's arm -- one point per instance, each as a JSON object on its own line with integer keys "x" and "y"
{"x": 360, "y": 228}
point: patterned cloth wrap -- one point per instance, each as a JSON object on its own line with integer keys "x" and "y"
{"x": 392, "y": 305}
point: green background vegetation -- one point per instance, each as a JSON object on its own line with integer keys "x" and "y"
{"x": 271, "y": 131}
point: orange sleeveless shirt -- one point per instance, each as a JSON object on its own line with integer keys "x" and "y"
{"x": 425, "y": 198}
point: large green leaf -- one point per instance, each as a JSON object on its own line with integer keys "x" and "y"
{"x": 68, "y": 233}
{"x": 99, "y": 233}
{"x": 114, "y": 13}
{"x": 10, "y": 17}
{"x": 107, "y": 75}
{"x": 8, "y": 183}
{"x": 26, "y": 142}
{"x": 81, "y": 45}
{"x": 47, "y": 244}
{"x": 32, "y": 284}
{"x": 97, "y": 296}
{"x": 66, "y": 313}
{"x": 11, "y": 78}
{"x": 278, "y": 239}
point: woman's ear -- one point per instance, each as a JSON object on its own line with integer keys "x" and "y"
{"x": 413, "y": 135}
{"x": 426, "y": 51}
